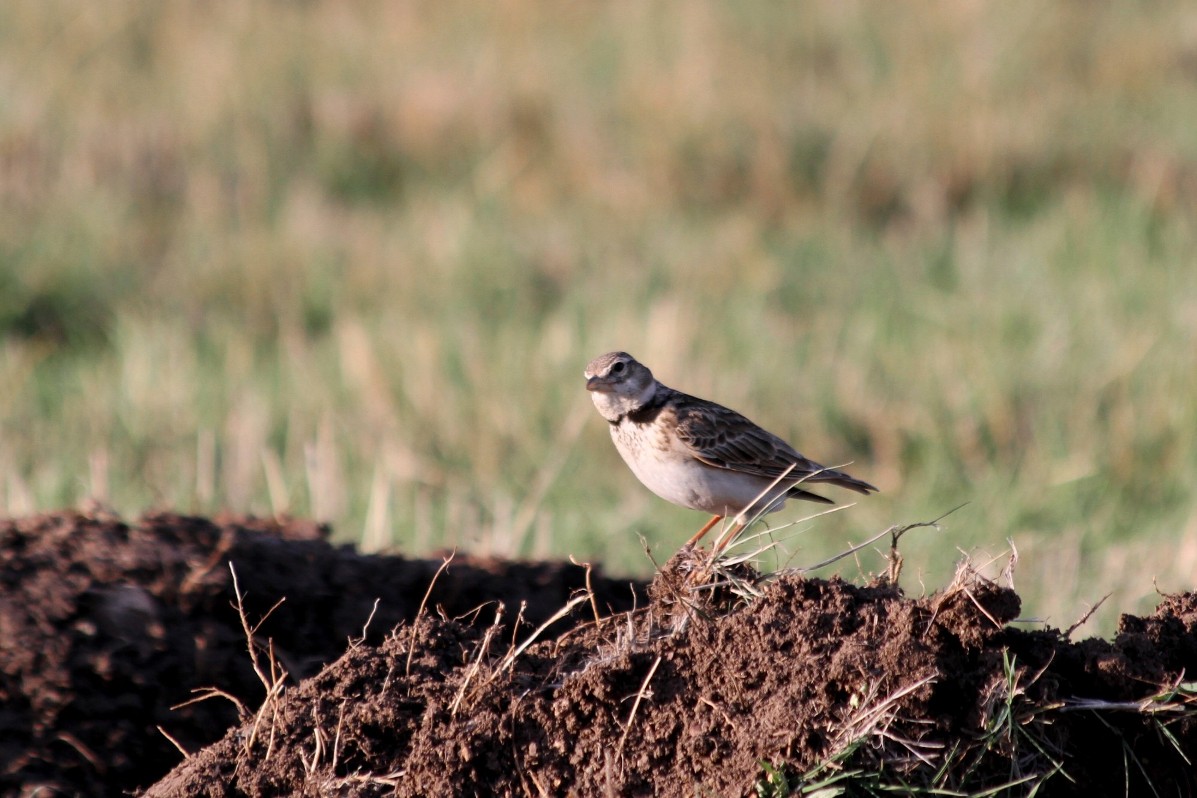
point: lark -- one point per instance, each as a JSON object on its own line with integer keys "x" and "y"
{"x": 699, "y": 454}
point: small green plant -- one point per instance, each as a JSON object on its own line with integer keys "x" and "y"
{"x": 774, "y": 782}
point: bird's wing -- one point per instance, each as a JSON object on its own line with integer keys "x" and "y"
{"x": 722, "y": 438}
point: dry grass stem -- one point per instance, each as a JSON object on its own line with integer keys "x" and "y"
{"x": 598, "y": 620}
{"x": 1085, "y": 618}
{"x": 392, "y": 780}
{"x": 268, "y": 680}
{"x": 1176, "y": 698}
{"x": 74, "y": 742}
{"x": 269, "y": 705}
{"x": 726, "y": 718}
{"x": 846, "y": 553}
{"x": 636, "y": 705}
{"x": 996, "y": 623}
{"x": 730, "y": 531}
{"x": 310, "y": 764}
{"x": 174, "y": 742}
{"x": 509, "y": 660}
{"x": 337, "y": 738}
{"x": 273, "y": 681}
{"x": 355, "y": 642}
{"x": 411, "y": 643}
{"x": 1012, "y": 565}
{"x": 205, "y": 693}
{"x": 872, "y": 715}
{"x": 479, "y": 655}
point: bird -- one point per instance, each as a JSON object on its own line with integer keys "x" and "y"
{"x": 699, "y": 454}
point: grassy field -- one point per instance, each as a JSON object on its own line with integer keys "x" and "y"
{"x": 349, "y": 261}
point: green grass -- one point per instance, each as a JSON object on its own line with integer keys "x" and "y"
{"x": 351, "y": 260}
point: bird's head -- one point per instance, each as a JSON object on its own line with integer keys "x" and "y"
{"x": 619, "y": 384}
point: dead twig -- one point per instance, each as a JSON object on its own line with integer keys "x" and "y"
{"x": 1163, "y": 701}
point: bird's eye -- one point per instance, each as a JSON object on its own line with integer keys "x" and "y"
{"x": 618, "y": 368}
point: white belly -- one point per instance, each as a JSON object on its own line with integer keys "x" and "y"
{"x": 671, "y": 472}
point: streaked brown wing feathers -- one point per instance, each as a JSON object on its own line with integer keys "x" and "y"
{"x": 723, "y": 438}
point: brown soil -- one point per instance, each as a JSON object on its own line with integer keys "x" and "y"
{"x": 698, "y": 692}
{"x": 104, "y": 626}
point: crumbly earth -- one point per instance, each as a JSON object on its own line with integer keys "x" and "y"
{"x": 107, "y": 625}
{"x": 698, "y": 691}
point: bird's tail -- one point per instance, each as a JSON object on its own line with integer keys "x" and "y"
{"x": 830, "y": 476}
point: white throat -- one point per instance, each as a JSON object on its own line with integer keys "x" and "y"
{"x": 615, "y": 405}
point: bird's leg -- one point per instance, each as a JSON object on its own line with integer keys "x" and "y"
{"x": 727, "y": 538}
{"x": 692, "y": 542}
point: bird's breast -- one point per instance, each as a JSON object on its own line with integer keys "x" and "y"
{"x": 664, "y": 465}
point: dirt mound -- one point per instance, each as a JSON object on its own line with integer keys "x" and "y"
{"x": 724, "y": 685}
{"x": 104, "y": 626}
{"x": 811, "y": 682}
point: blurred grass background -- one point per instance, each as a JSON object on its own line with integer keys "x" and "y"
{"x": 348, "y": 260}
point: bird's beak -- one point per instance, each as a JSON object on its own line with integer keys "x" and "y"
{"x": 597, "y": 383}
